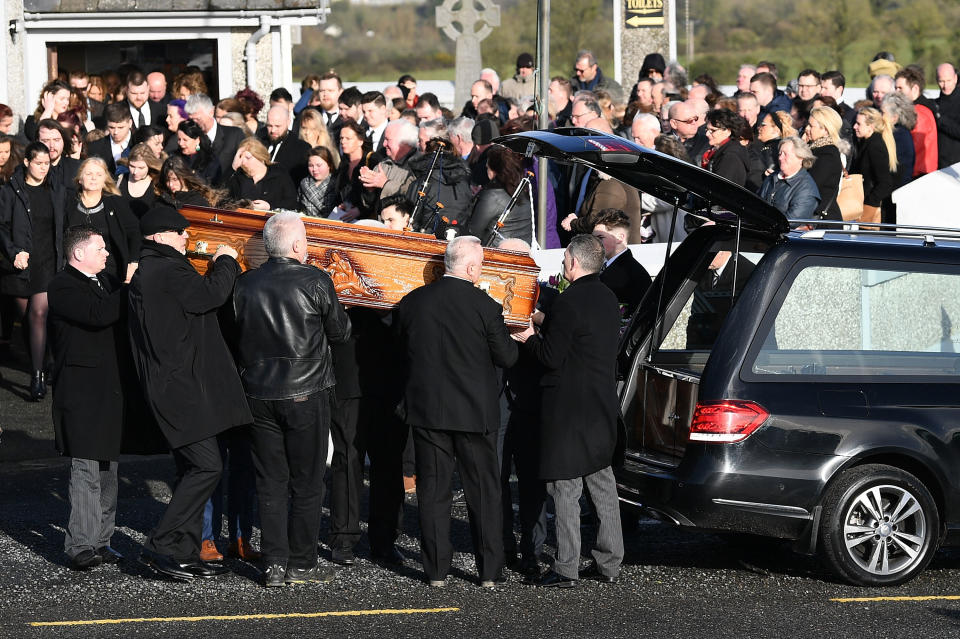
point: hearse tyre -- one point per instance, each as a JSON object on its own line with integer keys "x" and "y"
{"x": 880, "y": 526}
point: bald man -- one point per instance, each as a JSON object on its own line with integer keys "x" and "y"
{"x": 286, "y": 150}
{"x": 948, "y": 126}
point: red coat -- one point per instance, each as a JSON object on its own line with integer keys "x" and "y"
{"x": 924, "y": 142}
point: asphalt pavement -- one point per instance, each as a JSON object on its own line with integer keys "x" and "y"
{"x": 674, "y": 583}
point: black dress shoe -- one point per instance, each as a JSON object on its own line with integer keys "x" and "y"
{"x": 390, "y": 556}
{"x": 38, "y": 386}
{"x": 109, "y": 555}
{"x": 166, "y": 565}
{"x": 205, "y": 569}
{"x": 554, "y": 580}
{"x": 342, "y": 556}
{"x": 530, "y": 568}
{"x": 313, "y": 574}
{"x": 594, "y": 574}
{"x": 86, "y": 559}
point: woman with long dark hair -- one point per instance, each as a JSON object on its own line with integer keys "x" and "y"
{"x": 357, "y": 152}
{"x": 196, "y": 150}
{"x": 505, "y": 170}
{"x": 31, "y": 229}
{"x": 99, "y": 205}
{"x": 179, "y": 186}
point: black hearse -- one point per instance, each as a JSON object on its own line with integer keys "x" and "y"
{"x": 797, "y": 384}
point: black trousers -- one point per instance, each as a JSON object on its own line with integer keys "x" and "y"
{"x": 362, "y": 427}
{"x": 177, "y": 534}
{"x": 476, "y": 459}
{"x": 520, "y": 446}
{"x": 289, "y": 451}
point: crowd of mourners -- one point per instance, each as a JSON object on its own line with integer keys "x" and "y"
{"x": 96, "y": 173}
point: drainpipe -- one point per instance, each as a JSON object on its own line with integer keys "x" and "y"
{"x": 250, "y": 50}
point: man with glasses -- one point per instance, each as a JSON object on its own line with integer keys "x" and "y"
{"x": 587, "y": 76}
{"x": 189, "y": 380}
{"x": 687, "y": 125}
{"x": 585, "y": 109}
{"x": 808, "y": 84}
{"x": 81, "y": 81}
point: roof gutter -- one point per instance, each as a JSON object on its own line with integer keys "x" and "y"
{"x": 250, "y": 51}
{"x": 180, "y": 15}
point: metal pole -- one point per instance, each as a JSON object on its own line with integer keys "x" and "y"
{"x": 543, "y": 66}
{"x": 672, "y": 29}
{"x": 617, "y": 25}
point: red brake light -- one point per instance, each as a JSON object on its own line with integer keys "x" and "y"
{"x": 726, "y": 421}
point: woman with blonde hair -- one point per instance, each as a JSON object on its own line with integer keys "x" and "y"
{"x": 99, "y": 205}
{"x": 314, "y": 132}
{"x": 876, "y": 161}
{"x": 257, "y": 179}
{"x": 823, "y": 135}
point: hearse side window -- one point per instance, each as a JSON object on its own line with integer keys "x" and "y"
{"x": 709, "y": 302}
{"x": 840, "y": 321}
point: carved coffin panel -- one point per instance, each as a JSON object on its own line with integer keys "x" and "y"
{"x": 370, "y": 266}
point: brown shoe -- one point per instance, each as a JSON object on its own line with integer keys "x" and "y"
{"x": 209, "y": 552}
{"x": 241, "y": 549}
{"x": 410, "y": 484}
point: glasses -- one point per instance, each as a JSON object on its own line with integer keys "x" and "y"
{"x": 688, "y": 120}
{"x": 711, "y": 129}
{"x": 579, "y": 70}
{"x": 180, "y": 232}
{"x": 574, "y": 116}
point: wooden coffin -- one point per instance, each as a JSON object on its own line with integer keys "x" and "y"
{"x": 370, "y": 266}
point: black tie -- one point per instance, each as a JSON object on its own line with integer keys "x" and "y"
{"x": 330, "y": 117}
{"x": 142, "y": 121}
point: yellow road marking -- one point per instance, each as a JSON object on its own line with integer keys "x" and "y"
{"x": 288, "y": 615}
{"x": 920, "y": 598}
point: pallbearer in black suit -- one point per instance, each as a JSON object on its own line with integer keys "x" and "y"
{"x": 85, "y": 310}
{"x": 625, "y": 276}
{"x": 578, "y": 428}
{"x": 453, "y": 339}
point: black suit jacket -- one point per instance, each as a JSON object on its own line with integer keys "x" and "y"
{"x": 225, "y": 146}
{"x": 453, "y": 338}
{"x": 101, "y": 148}
{"x": 88, "y": 393}
{"x": 292, "y": 157}
{"x": 628, "y": 280}
{"x": 578, "y": 349}
{"x": 158, "y": 113}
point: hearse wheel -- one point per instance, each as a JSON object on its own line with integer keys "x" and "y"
{"x": 880, "y": 526}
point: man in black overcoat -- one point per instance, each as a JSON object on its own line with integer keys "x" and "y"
{"x": 453, "y": 339}
{"x": 188, "y": 376}
{"x": 86, "y": 308}
{"x": 578, "y": 428}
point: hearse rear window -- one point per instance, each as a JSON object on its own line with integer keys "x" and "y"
{"x": 837, "y": 321}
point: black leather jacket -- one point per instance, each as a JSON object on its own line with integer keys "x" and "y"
{"x": 287, "y": 314}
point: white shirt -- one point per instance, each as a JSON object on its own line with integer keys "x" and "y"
{"x": 135, "y": 114}
{"x": 118, "y": 149}
{"x": 377, "y": 133}
{"x": 212, "y": 133}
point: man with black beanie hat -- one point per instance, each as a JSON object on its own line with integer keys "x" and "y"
{"x": 522, "y": 86}
{"x": 188, "y": 377}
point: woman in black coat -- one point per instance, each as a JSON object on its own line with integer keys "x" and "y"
{"x": 357, "y": 153}
{"x": 196, "y": 149}
{"x": 505, "y": 169}
{"x": 823, "y": 134}
{"x": 266, "y": 185}
{"x": 876, "y": 160}
{"x": 31, "y": 233}
{"x": 98, "y": 204}
{"x": 726, "y": 156}
{"x": 178, "y": 186}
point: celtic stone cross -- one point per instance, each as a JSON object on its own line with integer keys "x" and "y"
{"x": 476, "y": 19}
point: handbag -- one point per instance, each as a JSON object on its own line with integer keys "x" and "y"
{"x": 850, "y": 197}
